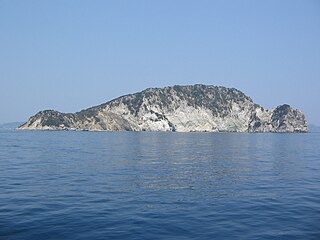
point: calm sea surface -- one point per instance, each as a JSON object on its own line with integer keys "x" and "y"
{"x": 129, "y": 185}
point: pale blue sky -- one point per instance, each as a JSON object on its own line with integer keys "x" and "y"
{"x": 70, "y": 55}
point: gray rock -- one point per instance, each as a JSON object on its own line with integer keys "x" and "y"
{"x": 197, "y": 108}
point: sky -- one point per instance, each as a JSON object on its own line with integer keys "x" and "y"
{"x": 71, "y": 55}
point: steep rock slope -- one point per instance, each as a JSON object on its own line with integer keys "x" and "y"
{"x": 178, "y": 108}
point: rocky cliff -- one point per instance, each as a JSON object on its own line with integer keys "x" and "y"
{"x": 197, "y": 108}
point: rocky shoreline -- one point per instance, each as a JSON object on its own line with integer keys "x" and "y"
{"x": 196, "y": 108}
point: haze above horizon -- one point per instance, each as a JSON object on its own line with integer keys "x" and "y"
{"x": 71, "y": 55}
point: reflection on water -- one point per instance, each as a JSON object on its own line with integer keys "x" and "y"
{"x": 80, "y": 185}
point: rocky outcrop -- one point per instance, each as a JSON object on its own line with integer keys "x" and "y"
{"x": 197, "y": 108}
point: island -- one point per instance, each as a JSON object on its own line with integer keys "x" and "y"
{"x": 194, "y": 108}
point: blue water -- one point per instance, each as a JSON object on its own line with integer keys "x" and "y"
{"x": 129, "y": 185}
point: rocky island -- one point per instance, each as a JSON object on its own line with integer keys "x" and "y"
{"x": 197, "y": 108}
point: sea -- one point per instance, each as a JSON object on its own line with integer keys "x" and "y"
{"x": 159, "y": 185}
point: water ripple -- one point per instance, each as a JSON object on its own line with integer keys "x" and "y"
{"x": 83, "y": 185}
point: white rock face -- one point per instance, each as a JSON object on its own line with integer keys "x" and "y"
{"x": 196, "y": 108}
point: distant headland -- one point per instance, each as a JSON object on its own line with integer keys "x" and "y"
{"x": 196, "y": 108}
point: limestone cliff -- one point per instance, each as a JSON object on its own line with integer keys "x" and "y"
{"x": 197, "y": 108}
